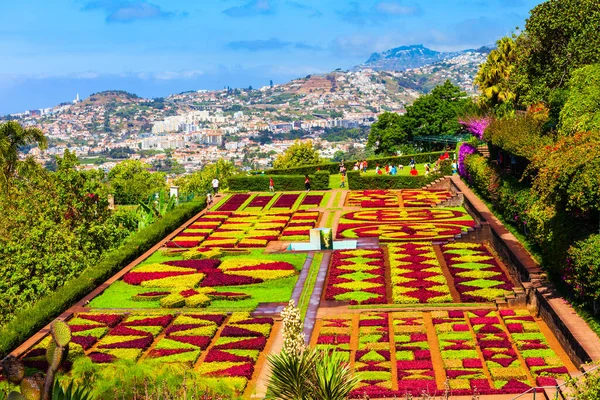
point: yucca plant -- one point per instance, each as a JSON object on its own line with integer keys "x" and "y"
{"x": 333, "y": 378}
{"x": 310, "y": 375}
{"x": 290, "y": 374}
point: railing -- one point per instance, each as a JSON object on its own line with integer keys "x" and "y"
{"x": 557, "y": 388}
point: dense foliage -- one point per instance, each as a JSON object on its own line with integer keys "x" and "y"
{"x": 131, "y": 182}
{"x": 300, "y": 153}
{"x": 52, "y": 227}
{"x": 433, "y": 114}
{"x": 521, "y": 135}
{"x": 26, "y": 321}
{"x": 494, "y": 75}
{"x": 583, "y": 268}
{"x": 200, "y": 182}
{"x": 580, "y": 112}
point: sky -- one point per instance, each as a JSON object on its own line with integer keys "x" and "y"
{"x": 50, "y": 50}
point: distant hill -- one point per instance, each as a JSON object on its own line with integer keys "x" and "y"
{"x": 408, "y": 57}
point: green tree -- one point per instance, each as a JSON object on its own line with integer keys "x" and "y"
{"x": 199, "y": 182}
{"x": 338, "y": 156}
{"x": 560, "y": 36}
{"x": 580, "y": 112}
{"x": 437, "y": 112}
{"x": 12, "y": 137}
{"x": 387, "y": 134}
{"x": 132, "y": 182}
{"x": 300, "y": 153}
{"x": 494, "y": 76}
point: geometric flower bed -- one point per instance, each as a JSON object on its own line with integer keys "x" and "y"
{"x": 233, "y": 355}
{"x": 398, "y": 225}
{"x": 416, "y": 275}
{"x": 506, "y": 371}
{"x": 424, "y": 198}
{"x": 234, "y": 202}
{"x": 257, "y": 202}
{"x": 477, "y": 275}
{"x": 414, "y": 365}
{"x": 129, "y": 339}
{"x": 357, "y": 276}
{"x": 298, "y": 229}
{"x": 187, "y": 336}
{"x": 544, "y": 364}
{"x": 372, "y": 358}
{"x": 232, "y": 282}
{"x": 335, "y": 334}
{"x": 312, "y": 200}
{"x": 372, "y": 199}
{"x": 464, "y": 368}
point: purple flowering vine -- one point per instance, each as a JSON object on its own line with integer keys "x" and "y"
{"x": 476, "y": 125}
{"x": 465, "y": 150}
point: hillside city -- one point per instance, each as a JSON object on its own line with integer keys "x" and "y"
{"x": 196, "y": 128}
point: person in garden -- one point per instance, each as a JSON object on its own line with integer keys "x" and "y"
{"x": 377, "y": 169}
{"x": 412, "y": 162}
{"x": 271, "y": 184}
{"x": 427, "y": 169}
{"x": 208, "y": 198}
{"x": 454, "y": 167}
{"x": 400, "y": 167}
{"x": 387, "y": 169}
{"x": 414, "y": 172}
{"x": 393, "y": 171}
{"x": 307, "y": 183}
{"x": 365, "y": 166}
{"x": 215, "y": 185}
{"x": 343, "y": 180}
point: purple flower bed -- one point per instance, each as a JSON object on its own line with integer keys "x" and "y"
{"x": 312, "y": 200}
{"x": 464, "y": 151}
{"x": 109, "y": 320}
{"x": 101, "y": 358}
{"x": 257, "y": 343}
{"x": 260, "y": 201}
{"x": 140, "y": 343}
{"x": 285, "y": 201}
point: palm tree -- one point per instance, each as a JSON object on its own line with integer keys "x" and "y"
{"x": 494, "y": 75}
{"x": 12, "y": 138}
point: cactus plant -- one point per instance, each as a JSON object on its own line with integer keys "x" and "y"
{"x": 61, "y": 333}
{"x": 14, "y": 370}
{"x": 31, "y": 388}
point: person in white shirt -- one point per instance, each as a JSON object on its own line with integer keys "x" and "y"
{"x": 215, "y": 185}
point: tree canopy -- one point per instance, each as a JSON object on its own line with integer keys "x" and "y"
{"x": 300, "y": 153}
{"x": 494, "y": 76}
{"x": 12, "y": 137}
{"x": 435, "y": 113}
{"x": 580, "y": 112}
{"x": 132, "y": 182}
{"x": 199, "y": 182}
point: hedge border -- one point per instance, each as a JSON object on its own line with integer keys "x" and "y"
{"x": 334, "y": 167}
{"x": 358, "y": 181}
{"x": 27, "y": 322}
{"x": 260, "y": 183}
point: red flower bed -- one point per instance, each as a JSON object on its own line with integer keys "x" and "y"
{"x": 183, "y": 244}
{"x": 234, "y": 331}
{"x": 181, "y": 327}
{"x": 140, "y": 343}
{"x": 199, "y": 265}
{"x": 84, "y": 341}
{"x": 122, "y": 330}
{"x": 285, "y": 201}
{"x": 245, "y": 371}
{"x": 259, "y": 320}
{"x": 109, "y": 320}
{"x": 312, "y": 200}
{"x": 260, "y": 201}
{"x": 101, "y": 358}
{"x": 156, "y": 353}
{"x": 216, "y": 318}
{"x": 257, "y": 343}
{"x": 192, "y": 234}
{"x": 136, "y": 278}
{"x": 198, "y": 341}
{"x": 234, "y": 202}
{"x": 218, "y": 278}
{"x": 163, "y": 321}
{"x": 222, "y": 356}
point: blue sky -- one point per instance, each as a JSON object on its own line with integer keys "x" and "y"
{"x": 53, "y": 49}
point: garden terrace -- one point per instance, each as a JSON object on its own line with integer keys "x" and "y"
{"x": 420, "y": 306}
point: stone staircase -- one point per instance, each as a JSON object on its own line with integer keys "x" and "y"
{"x": 484, "y": 151}
{"x": 516, "y": 299}
{"x": 442, "y": 183}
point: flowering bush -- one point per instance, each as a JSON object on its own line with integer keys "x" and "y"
{"x": 476, "y": 125}
{"x": 465, "y": 150}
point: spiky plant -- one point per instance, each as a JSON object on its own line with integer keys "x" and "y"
{"x": 291, "y": 374}
{"x": 333, "y": 378}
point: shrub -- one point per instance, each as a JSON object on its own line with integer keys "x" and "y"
{"x": 30, "y": 320}
{"x": 583, "y": 268}
{"x": 362, "y": 182}
{"x": 258, "y": 183}
{"x": 334, "y": 167}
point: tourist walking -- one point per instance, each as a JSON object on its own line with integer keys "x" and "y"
{"x": 343, "y": 180}
{"x": 427, "y": 169}
{"x": 215, "y": 185}
{"x": 271, "y": 185}
{"x": 307, "y": 183}
{"x": 365, "y": 166}
{"x": 412, "y": 162}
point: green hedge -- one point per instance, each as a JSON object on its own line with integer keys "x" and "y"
{"x": 358, "y": 181}
{"x": 260, "y": 183}
{"x": 30, "y": 320}
{"x": 334, "y": 168}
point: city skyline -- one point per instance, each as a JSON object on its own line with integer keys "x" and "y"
{"x": 54, "y": 51}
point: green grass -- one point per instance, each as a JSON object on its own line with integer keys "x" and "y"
{"x": 310, "y": 283}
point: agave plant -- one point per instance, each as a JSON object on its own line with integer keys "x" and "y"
{"x": 70, "y": 393}
{"x": 333, "y": 379}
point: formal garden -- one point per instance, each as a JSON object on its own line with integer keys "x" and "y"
{"x": 412, "y": 309}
